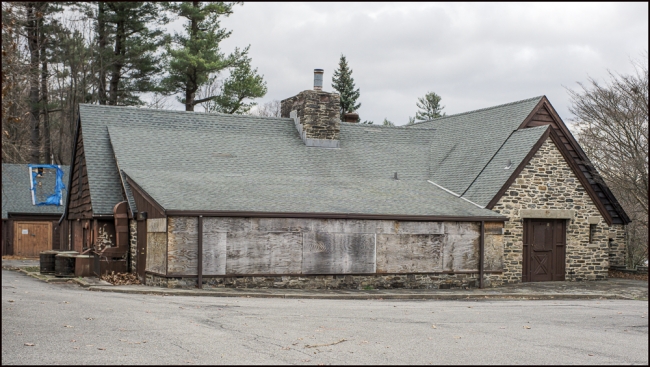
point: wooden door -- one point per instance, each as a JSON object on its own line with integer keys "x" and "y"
{"x": 141, "y": 262}
{"x": 544, "y": 250}
{"x": 31, "y": 238}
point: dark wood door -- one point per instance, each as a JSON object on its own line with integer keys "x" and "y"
{"x": 141, "y": 261}
{"x": 544, "y": 250}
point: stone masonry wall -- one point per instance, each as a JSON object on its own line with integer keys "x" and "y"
{"x": 133, "y": 245}
{"x": 318, "y": 112}
{"x": 383, "y": 281}
{"x": 547, "y": 182}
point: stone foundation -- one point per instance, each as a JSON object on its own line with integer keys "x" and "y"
{"x": 359, "y": 282}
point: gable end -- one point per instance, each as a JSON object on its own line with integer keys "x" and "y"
{"x": 545, "y": 114}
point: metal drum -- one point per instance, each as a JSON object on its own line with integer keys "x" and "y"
{"x": 64, "y": 264}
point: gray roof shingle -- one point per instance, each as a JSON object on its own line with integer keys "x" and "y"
{"x": 16, "y": 191}
{"x": 494, "y": 175}
{"x": 466, "y": 142}
{"x": 196, "y": 161}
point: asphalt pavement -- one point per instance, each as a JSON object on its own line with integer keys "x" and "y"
{"x": 48, "y": 323}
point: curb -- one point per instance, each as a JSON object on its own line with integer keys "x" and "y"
{"x": 514, "y": 296}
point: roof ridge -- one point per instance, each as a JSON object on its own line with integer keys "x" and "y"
{"x": 478, "y": 110}
{"x": 184, "y": 112}
{"x": 360, "y": 125}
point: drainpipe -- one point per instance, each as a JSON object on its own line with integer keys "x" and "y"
{"x": 200, "y": 254}
{"x": 481, "y": 255}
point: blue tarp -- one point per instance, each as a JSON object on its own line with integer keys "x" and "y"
{"x": 55, "y": 198}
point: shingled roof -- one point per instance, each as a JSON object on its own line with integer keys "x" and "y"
{"x": 16, "y": 194}
{"x": 197, "y": 161}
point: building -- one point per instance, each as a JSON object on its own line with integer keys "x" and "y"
{"x": 29, "y": 228}
{"x": 487, "y": 197}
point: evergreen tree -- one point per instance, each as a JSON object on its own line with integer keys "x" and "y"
{"x": 243, "y": 83}
{"x": 343, "y": 83}
{"x": 388, "y": 123}
{"x": 196, "y": 60}
{"x": 429, "y": 106}
{"x": 125, "y": 60}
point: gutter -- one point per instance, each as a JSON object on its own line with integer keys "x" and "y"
{"x": 216, "y": 213}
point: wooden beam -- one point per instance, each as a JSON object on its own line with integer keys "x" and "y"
{"x": 199, "y": 272}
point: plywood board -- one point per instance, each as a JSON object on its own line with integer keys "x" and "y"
{"x": 157, "y": 225}
{"x": 345, "y": 226}
{"x": 182, "y": 246}
{"x": 338, "y": 253}
{"x": 214, "y": 253}
{"x": 263, "y": 253}
{"x": 461, "y": 249}
{"x": 156, "y": 252}
{"x": 226, "y": 224}
{"x": 282, "y": 224}
{"x": 494, "y": 252}
{"x": 409, "y": 253}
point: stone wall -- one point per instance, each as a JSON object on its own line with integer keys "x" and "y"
{"x": 318, "y": 113}
{"x": 383, "y": 281}
{"x": 547, "y": 182}
{"x": 133, "y": 245}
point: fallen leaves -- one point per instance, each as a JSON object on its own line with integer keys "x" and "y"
{"x": 68, "y": 326}
{"x": 101, "y": 348}
{"x": 526, "y": 327}
{"x": 121, "y": 278}
{"x": 29, "y": 344}
{"x": 11, "y": 300}
{"x": 433, "y": 327}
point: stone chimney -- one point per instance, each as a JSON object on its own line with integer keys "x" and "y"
{"x": 316, "y": 114}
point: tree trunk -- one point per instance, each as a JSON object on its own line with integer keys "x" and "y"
{"x": 47, "y": 141}
{"x": 32, "y": 42}
{"x": 118, "y": 61}
{"x": 101, "y": 39}
{"x": 191, "y": 87}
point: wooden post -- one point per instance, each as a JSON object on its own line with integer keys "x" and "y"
{"x": 199, "y": 279}
{"x": 481, "y": 255}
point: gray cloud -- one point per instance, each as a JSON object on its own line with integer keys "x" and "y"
{"x": 474, "y": 55}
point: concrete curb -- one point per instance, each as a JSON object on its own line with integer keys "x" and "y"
{"x": 364, "y": 296}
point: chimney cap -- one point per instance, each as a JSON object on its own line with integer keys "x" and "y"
{"x": 351, "y": 116}
{"x": 318, "y": 71}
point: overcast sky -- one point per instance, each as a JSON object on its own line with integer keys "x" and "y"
{"x": 474, "y": 55}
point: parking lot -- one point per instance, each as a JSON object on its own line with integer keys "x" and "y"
{"x": 65, "y": 324}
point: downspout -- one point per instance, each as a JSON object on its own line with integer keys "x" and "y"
{"x": 199, "y": 281}
{"x": 481, "y": 255}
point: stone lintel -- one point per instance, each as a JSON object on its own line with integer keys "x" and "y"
{"x": 593, "y": 220}
{"x": 547, "y": 213}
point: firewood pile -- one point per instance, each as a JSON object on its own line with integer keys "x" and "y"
{"x": 121, "y": 278}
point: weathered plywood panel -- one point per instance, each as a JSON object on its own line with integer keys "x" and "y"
{"x": 338, "y": 253}
{"x": 182, "y": 246}
{"x": 156, "y": 252}
{"x": 461, "y": 249}
{"x": 157, "y": 225}
{"x": 420, "y": 228}
{"x": 226, "y": 224}
{"x": 263, "y": 253}
{"x": 409, "y": 253}
{"x": 494, "y": 252}
{"x": 282, "y": 224}
{"x": 345, "y": 226}
{"x": 214, "y": 253}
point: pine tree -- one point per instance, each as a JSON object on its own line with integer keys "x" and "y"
{"x": 429, "y": 106}
{"x": 197, "y": 60}
{"x": 126, "y": 58}
{"x": 343, "y": 83}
